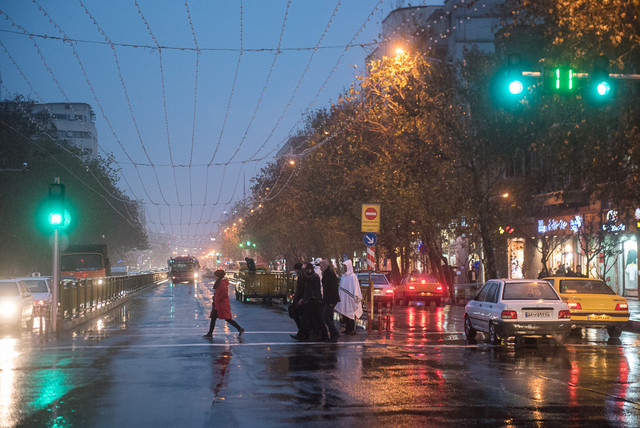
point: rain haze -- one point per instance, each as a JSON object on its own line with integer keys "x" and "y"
{"x": 191, "y": 98}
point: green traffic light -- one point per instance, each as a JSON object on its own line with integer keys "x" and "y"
{"x": 55, "y": 219}
{"x": 516, "y": 87}
{"x": 603, "y": 88}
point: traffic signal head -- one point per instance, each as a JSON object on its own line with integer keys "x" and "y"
{"x": 601, "y": 87}
{"x": 57, "y": 216}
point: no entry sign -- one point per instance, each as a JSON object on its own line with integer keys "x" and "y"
{"x": 371, "y": 218}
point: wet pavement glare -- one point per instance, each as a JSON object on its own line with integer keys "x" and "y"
{"x": 146, "y": 364}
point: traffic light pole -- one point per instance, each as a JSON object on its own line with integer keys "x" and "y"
{"x": 56, "y": 280}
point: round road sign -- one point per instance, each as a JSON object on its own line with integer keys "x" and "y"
{"x": 371, "y": 213}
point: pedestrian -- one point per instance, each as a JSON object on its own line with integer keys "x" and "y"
{"x": 295, "y": 308}
{"x": 330, "y": 296}
{"x": 221, "y": 306}
{"x": 350, "y": 304}
{"x": 313, "y": 327}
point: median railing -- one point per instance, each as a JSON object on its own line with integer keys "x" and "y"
{"x": 78, "y": 296}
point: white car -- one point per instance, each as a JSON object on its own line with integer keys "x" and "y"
{"x": 16, "y": 304}
{"x": 40, "y": 287}
{"x": 517, "y": 308}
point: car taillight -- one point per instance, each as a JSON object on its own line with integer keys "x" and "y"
{"x": 439, "y": 288}
{"x": 411, "y": 287}
{"x": 509, "y": 315}
{"x": 574, "y": 305}
{"x": 622, "y": 307}
{"x": 564, "y": 314}
{"x": 388, "y": 291}
{"x": 424, "y": 281}
{"x": 39, "y": 303}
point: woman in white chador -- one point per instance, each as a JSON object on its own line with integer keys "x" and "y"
{"x": 350, "y": 304}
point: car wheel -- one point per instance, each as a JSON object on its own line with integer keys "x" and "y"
{"x": 494, "y": 339}
{"x": 614, "y": 331}
{"x": 469, "y": 331}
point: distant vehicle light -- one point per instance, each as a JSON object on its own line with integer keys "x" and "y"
{"x": 439, "y": 288}
{"x": 424, "y": 281}
{"x": 574, "y": 305}
{"x": 564, "y": 314}
{"x": 388, "y": 291}
{"x": 195, "y": 275}
{"x": 40, "y": 303}
{"x": 100, "y": 282}
{"x": 411, "y": 287}
{"x": 622, "y": 307}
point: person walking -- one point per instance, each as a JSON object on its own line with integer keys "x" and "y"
{"x": 330, "y": 296}
{"x": 221, "y": 306}
{"x": 295, "y": 308}
{"x": 313, "y": 327}
{"x": 350, "y": 304}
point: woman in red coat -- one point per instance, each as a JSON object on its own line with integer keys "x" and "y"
{"x": 221, "y": 307}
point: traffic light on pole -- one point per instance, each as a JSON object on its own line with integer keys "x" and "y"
{"x": 601, "y": 87}
{"x": 56, "y": 212}
{"x": 515, "y": 83}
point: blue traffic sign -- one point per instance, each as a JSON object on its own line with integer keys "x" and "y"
{"x": 370, "y": 239}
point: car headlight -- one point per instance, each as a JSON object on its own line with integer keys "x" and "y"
{"x": 99, "y": 282}
{"x": 195, "y": 275}
{"x": 8, "y": 308}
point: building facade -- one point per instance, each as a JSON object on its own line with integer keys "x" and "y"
{"x": 75, "y": 123}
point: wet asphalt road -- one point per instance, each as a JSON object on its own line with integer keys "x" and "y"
{"x": 146, "y": 365}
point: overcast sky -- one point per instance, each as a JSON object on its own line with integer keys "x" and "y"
{"x": 187, "y": 172}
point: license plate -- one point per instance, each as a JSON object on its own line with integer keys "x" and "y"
{"x": 537, "y": 314}
{"x": 598, "y": 317}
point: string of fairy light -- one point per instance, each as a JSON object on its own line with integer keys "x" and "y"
{"x": 192, "y": 222}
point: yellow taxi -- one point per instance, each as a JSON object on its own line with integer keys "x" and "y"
{"x": 592, "y": 303}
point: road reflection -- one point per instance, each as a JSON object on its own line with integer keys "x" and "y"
{"x": 8, "y": 354}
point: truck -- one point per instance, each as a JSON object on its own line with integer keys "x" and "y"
{"x": 85, "y": 261}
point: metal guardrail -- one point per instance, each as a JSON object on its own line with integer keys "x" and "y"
{"x": 84, "y": 295}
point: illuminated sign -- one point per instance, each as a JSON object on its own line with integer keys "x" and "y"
{"x": 612, "y": 222}
{"x": 560, "y": 225}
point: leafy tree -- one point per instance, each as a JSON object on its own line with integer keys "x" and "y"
{"x": 101, "y": 213}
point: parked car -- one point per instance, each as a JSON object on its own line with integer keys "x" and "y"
{"x": 382, "y": 289}
{"x": 517, "y": 308}
{"x": 592, "y": 303}
{"x": 40, "y": 288}
{"x": 419, "y": 287}
{"x": 16, "y": 304}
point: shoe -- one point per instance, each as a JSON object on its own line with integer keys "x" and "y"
{"x": 240, "y": 332}
{"x": 295, "y": 336}
{"x": 207, "y": 335}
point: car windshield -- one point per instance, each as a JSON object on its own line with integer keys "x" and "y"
{"x": 585, "y": 286}
{"x": 9, "y": 289}
{"x": 36, "y": 285}
{"x": 377, "y": 279}
{"x": 528, "y": 291}
{"x": 422, "y": 277}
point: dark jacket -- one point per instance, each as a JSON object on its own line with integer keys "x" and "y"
{"x": 330, "y": 286}
{"x": 299, "y": 294}
{"x": 311, "y": 287}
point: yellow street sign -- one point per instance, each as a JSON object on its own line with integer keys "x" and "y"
{"x": 371, "y": 218}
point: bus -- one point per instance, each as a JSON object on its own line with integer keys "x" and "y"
{"x": 185, "y": 268}
{"x": 85, "y": 261}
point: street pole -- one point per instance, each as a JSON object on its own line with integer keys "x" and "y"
{"x": 56, "y": 280}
